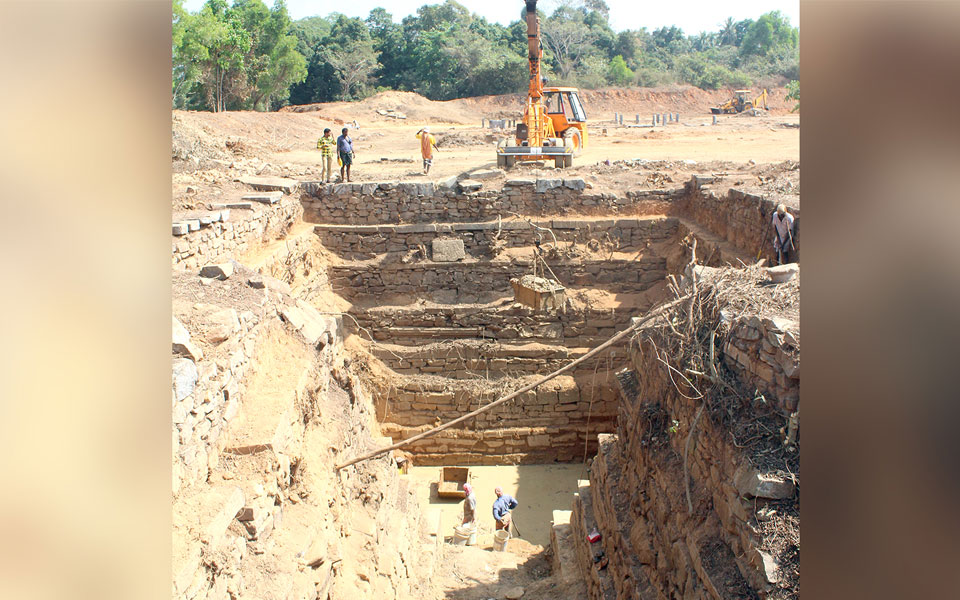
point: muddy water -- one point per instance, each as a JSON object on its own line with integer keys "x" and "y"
{"x": 539, "y": 490}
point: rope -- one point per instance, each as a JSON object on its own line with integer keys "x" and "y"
{"x": 613, "y": 340}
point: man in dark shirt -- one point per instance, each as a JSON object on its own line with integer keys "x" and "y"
{"x": 345, "y": 152}
{"x": 502, "y": 507}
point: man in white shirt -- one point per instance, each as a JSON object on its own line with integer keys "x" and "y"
{"x": 782, "y": 233}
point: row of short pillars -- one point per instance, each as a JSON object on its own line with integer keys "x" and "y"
{"x": 658, "y": 118}
{"x": 497, "y": 123}
{"x": 664, "y": 118}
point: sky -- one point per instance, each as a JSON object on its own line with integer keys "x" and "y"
{"x": 692, "y": 16}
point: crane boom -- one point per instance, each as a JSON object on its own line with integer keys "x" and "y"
{"x": 534, "y": 50}
{"x": 554, "y": 124}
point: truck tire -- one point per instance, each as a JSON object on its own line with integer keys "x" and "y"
{"x": 572, "y": 138}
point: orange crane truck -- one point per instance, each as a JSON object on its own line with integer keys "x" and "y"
{"x": 554, "y": 123}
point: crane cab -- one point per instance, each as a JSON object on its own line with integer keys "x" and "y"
{"x": 565, "y": 111}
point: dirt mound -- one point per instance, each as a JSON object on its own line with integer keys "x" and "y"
{"x": 392, "y": 106}
{"x": 645, "y": 101}
{"x": 458, "y": 138}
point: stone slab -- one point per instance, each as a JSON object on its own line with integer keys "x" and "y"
{"x": 270, "y": 184}
{"x": 470, "y": 185}
{"x": 229, "y": 205}
{"x": 264, "y": 197}
{"x": 447, "y": 250}
{"x": 485, "y": 174}
{"x": 543, "y": 185}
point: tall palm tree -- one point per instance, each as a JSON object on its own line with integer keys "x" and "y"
{"x": 728, "y": 32}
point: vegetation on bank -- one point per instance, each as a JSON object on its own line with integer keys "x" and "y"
{"x": 246, "y": 55}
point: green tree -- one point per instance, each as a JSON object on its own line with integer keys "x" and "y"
{"x": 225, "y": 42}
{"x": 627, "y": 45}
{"x": 234, "y": 57}
{"x": 349, "y": 49}
{"x": 793, "y": 93}
{"x": 771, "y": 31}
{"x": 728, "y": 33}
{"x": 272, "y": 63}
{"x": 618, "y": 73}
{"x": 309, "y": 31}
{"x": 187, "y": 54}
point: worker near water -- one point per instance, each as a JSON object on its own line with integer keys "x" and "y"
{"x": 326, "y": 144}
{"x": 782, "y": 233}
{"x": 345, "y": 152}
{"x": 469, "y": 506}
{"x": 502, "y": 507}
{"x": 427, "y": 144}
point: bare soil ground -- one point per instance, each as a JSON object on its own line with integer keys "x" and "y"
{"x": 761, "y": 152}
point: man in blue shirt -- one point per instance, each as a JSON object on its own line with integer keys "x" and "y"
{"x": 345, "y": 151}
{"x": 502, "y": 507}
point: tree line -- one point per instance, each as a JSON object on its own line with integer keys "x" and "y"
{"x": 245, "y": 55}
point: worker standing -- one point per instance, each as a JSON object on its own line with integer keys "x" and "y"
{"x": 427, "y": 145}
{"x": 469, "y": 506}
{"x": 502, "y": 507}
{"x": 326, "y": 144}
{"x": 782, "y": 233}
{"x": 345, "y": 152}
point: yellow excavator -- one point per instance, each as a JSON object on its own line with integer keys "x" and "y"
{"x": 741, "y": 102}
{"x": 554, "y": 123}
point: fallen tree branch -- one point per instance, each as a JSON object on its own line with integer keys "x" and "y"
{"x": 613, "y": 340}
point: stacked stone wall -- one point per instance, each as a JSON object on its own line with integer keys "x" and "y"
{"x": 362, "y": 280}
{"x": 513, "y": 323}
{"x": 657, "y": 546}
{"x": 740, "y": 218}
{"x": 403, "y": 202}
{"x": 765, "y": 354}
{"x": 244, "y": 231}
{"x": 359, "y": 242}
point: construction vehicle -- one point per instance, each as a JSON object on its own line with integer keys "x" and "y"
{"x": 741, "y": 102}
{"x": 554, "y": 124}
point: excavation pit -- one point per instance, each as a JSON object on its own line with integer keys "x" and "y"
{"x": 432, "y": 335}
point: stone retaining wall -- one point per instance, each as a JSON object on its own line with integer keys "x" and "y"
{"x": 765, "y": 354}
{"x": 244, "y": 231}
{"x": 512, "y": 323}
{"x": 405, "y": 202}
{"x": 657, "y": 547}
{"x": 546, "y": 424}
{"x": 363, "y": 280}
{"x": 359, "y": 242}
{"x": 740, "y": 218}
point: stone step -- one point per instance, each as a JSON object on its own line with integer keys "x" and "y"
{"x": 270, "y": 184}
{"x": 237, "y": 205}
{"x": 195, "y": 220}
{"x": 565, "y": 566}
{"x": 263, "y": 197}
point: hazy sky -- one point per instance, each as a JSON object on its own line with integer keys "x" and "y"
{"x": 692, "y": 16}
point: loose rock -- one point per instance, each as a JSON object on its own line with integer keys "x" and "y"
{"x": 220, "y": 271}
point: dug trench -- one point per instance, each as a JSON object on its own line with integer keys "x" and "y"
{"x": 336, "y": 320}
